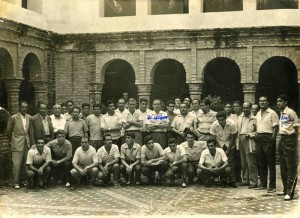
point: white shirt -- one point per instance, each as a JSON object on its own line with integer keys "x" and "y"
{"x": 288, "y": 121}
{"x": 23, "y": 118}
{"x": 267, "y": 122}
{"x": 58, "y": 122}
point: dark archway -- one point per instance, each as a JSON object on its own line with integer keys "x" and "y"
{"x": 6, "y": 71}
{"x": 278, "y": 75}
{"x": 169, "y": 80}
{"x": 222, "y": 77}
{"x": 119, "y": 78}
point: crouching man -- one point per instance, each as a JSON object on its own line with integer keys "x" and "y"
{"x": 38, "y": 169}
{"x": 213, "y": 163}
{"x": 85, "y": 163}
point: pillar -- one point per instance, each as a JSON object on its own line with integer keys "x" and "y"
{"x": 40, "y": 91}
{"x": 13, "y": 90}
{"x": 144, "y": 91}
{"x": 95, "y": 92}
{"x": 249, "y": 90}
{"x": 195, "y": 90}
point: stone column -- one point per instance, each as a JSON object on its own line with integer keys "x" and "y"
{"x": 249, "y": 90}
{"x": 40, "y": 91}
{"x": 13, "y": 90}
{"x": 95, "y": 92}
{"x": 195, "y": 90}
{"x": 144, "y": 91}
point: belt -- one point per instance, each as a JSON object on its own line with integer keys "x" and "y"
{"x": 264, "y": 133}
{"x": 291, "y": 135}
{"x": 207, "y": 133}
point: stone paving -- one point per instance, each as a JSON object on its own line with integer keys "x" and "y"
{"x": 144, "y": 201}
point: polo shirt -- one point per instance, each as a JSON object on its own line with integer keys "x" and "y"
{"x": 94, "y": 125}
{"x": 143, "y": 117}
{"x": 193, "y": 153}
{"x": 104, "y": 157}
{"x": 59, "y": 152}
{"x": 157, "y": 118}
{"x": 76, "y": 128}
{"x": 173, "y": 156}
{"x": 180, "y": 122}
{"x": 267, "y": 122}
{"x": 130, "y": 154}
{"x": 288, "y": 121}
{"x": 223, "y": 135}
{"x": 135, "y": 117}
{"x": 209, "y": 161}
{"x": 156, "y": 152}
{"x": 111, "y": 121}
{"x": 205, "y": 120}
{"x": 85, "y": 158}
{"x": 35, "y": 158}
{"x": 58, "y": 123}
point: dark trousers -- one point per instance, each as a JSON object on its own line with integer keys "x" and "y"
{"x": 137, "y": 171}
{"x": 115, "y": 170}
{"x": 288, "y": 158}
{"x": 149, "y": 170}
{"x": 96, "y": 144}
{"x": 189, "y": 170}
{"x": 266, "y": 152}
{"x": 76, "y": 143}
{"x": 62, "y": 171}
{"x": 204, "y": 175}
{"x": 35, "y": 177}
{"x": 231, "y": 162}
{"x": 238, "y": 166}
{"x": 160, "y": 138}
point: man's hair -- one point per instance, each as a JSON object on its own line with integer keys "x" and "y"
{"x": 85, "y": 105}
{"x": 148, "y": 138}
{"x": 56, "y": 105}
{"x": 84, "y": 138}
{"x": 110, "y": 102}
{"x": 106, "y": 135}
{"x": 121, "y": 99}
{"x": 237, "y": 102}
{"x": 170, "y": 102}
{"x": 144, "y": 100}
{"x": 40, "y": 139}
{"x": 226, "y": 103}
{"x": 255, "y": 104}
{"x": 265, "y": 96}
{"x": 212, "y": 140}
{"x": 156, "y": 99}
{"x": 76, "y": 107}
{"x": 97, "y": 105}
{"x": 23, "y": 102}
{"x": 221, "y": 114}
{"x": 196, "y": 99}
{"x": 131, "y": 100}
{"x": 206, "y": 101}
{"x": 283, "y": 97}
{"x": 40, "y": 103}
{"x": 63, "y": 104}
{"x": 69, "y": 102}
{"x": 130, "y": 134}
{"x": 189, "y": 132}
{"x": 61, "y": 132}
{"x": 248, "y": 103}
{"x": 171, "y": 141}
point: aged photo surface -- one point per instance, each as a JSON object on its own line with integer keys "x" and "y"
{"x": 149, "y": 108}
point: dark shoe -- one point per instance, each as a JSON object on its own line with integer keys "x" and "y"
{"x": 281, "y": 193}
{"x": 44, "y": 186}
{"x": 73, "y": 187}
{"x": 271, "y": 190}
{"x": 117, "y": 185}
{"x": 137, "y": 182}
{"x": 243, "y": 184}
{"x": 232, "y": 184}
{"x": 223, "y": 184}
{"x": 252, "y": 186}
{"x": 172, "y": 182}
{"x": 260, "y": 188}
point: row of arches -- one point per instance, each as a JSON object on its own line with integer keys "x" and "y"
{"x": 222, "y": 77}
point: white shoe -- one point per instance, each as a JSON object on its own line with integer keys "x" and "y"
{"x": 183, "y": 185}
{"x": 287, "y": 198}
{"x": 68, "y": 184}
{"x": 16, "y": 186}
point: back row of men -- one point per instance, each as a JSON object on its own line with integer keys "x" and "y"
{"x": 245, "y": 141}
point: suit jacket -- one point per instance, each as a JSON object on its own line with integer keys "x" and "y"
{"x": 16, "y": 132}
{"x": 36, "y": 129}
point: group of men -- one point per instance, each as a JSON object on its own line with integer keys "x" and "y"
{"x": 235, "y": 146}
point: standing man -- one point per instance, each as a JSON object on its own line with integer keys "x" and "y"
{"x": 157, "y": 124}
{"x": 204, "y": 121}
{"x": 267, "y": 127}
{"x": 246, "y": 146}
{"x": 143, "y": 111}
{"x": 133, "y": 122}
{"x": 196, "y": 108}
{"x": 254, "y": 109}
{"x": 181, "y": 122}
{"x": 41, "y": 125}
{"x": 64, "y": 108}
{"x": 58, "y": 120}
{"x": 76, "y": 129}
{"x": 85, "y": 111}
{"x": 171, "y": 115}
{"x": 122, "y": 112}
{"x": 125, "y": 96}
{"x": 288, "y": 147}
{"x": 70, "y": 105}
{"x": 18, "y": 135}
{"x": 38, "y": 160}
{"x": 187, "y": 101}
{"x": 93, "y": 123}
{"x": 177, "y": 105}
{"x": 111, "y": 123}
{"x": 225, "y": 131}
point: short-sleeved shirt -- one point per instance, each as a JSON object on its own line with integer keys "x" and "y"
{"x": 157, "y": 118}
{"x": 67, "y": 116}
{"x": 246, "y": 125}
{"x": 58, "y": 122}
{"x": 35, "y": 158}
{"x": 180, "y": 122}
{"x": 85, "y": 158}
{"x": 58, "y": 152}
{"x": 135, "y": 117}
{"x": 267, "y": 122}
{"x": 123, "y": 114}
{"x": 76, "y": 128}
{"x": 173, "y": 156}
{"x": 205, "y": 120}
{"x": 209, "y": 161}
{"x": 94, "y": 124}
{"x": 223, "y": 135}
{"x": 111, "y": 121}
{"x": 143, "y": 117}
{"x": 132, "y": 154}
{"x": 195, "y": 113}
{"x": 156, "y": 152}
{"x": 193, "y": 153}
{"x": 171, "y": 118}
{"x": 105, "y": 157}
{"x": 288, "y": 121}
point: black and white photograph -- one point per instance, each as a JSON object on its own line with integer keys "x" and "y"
{"x": 149, "y": 108}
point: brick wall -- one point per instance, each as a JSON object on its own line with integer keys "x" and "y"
{"x": 5, "y": 159}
